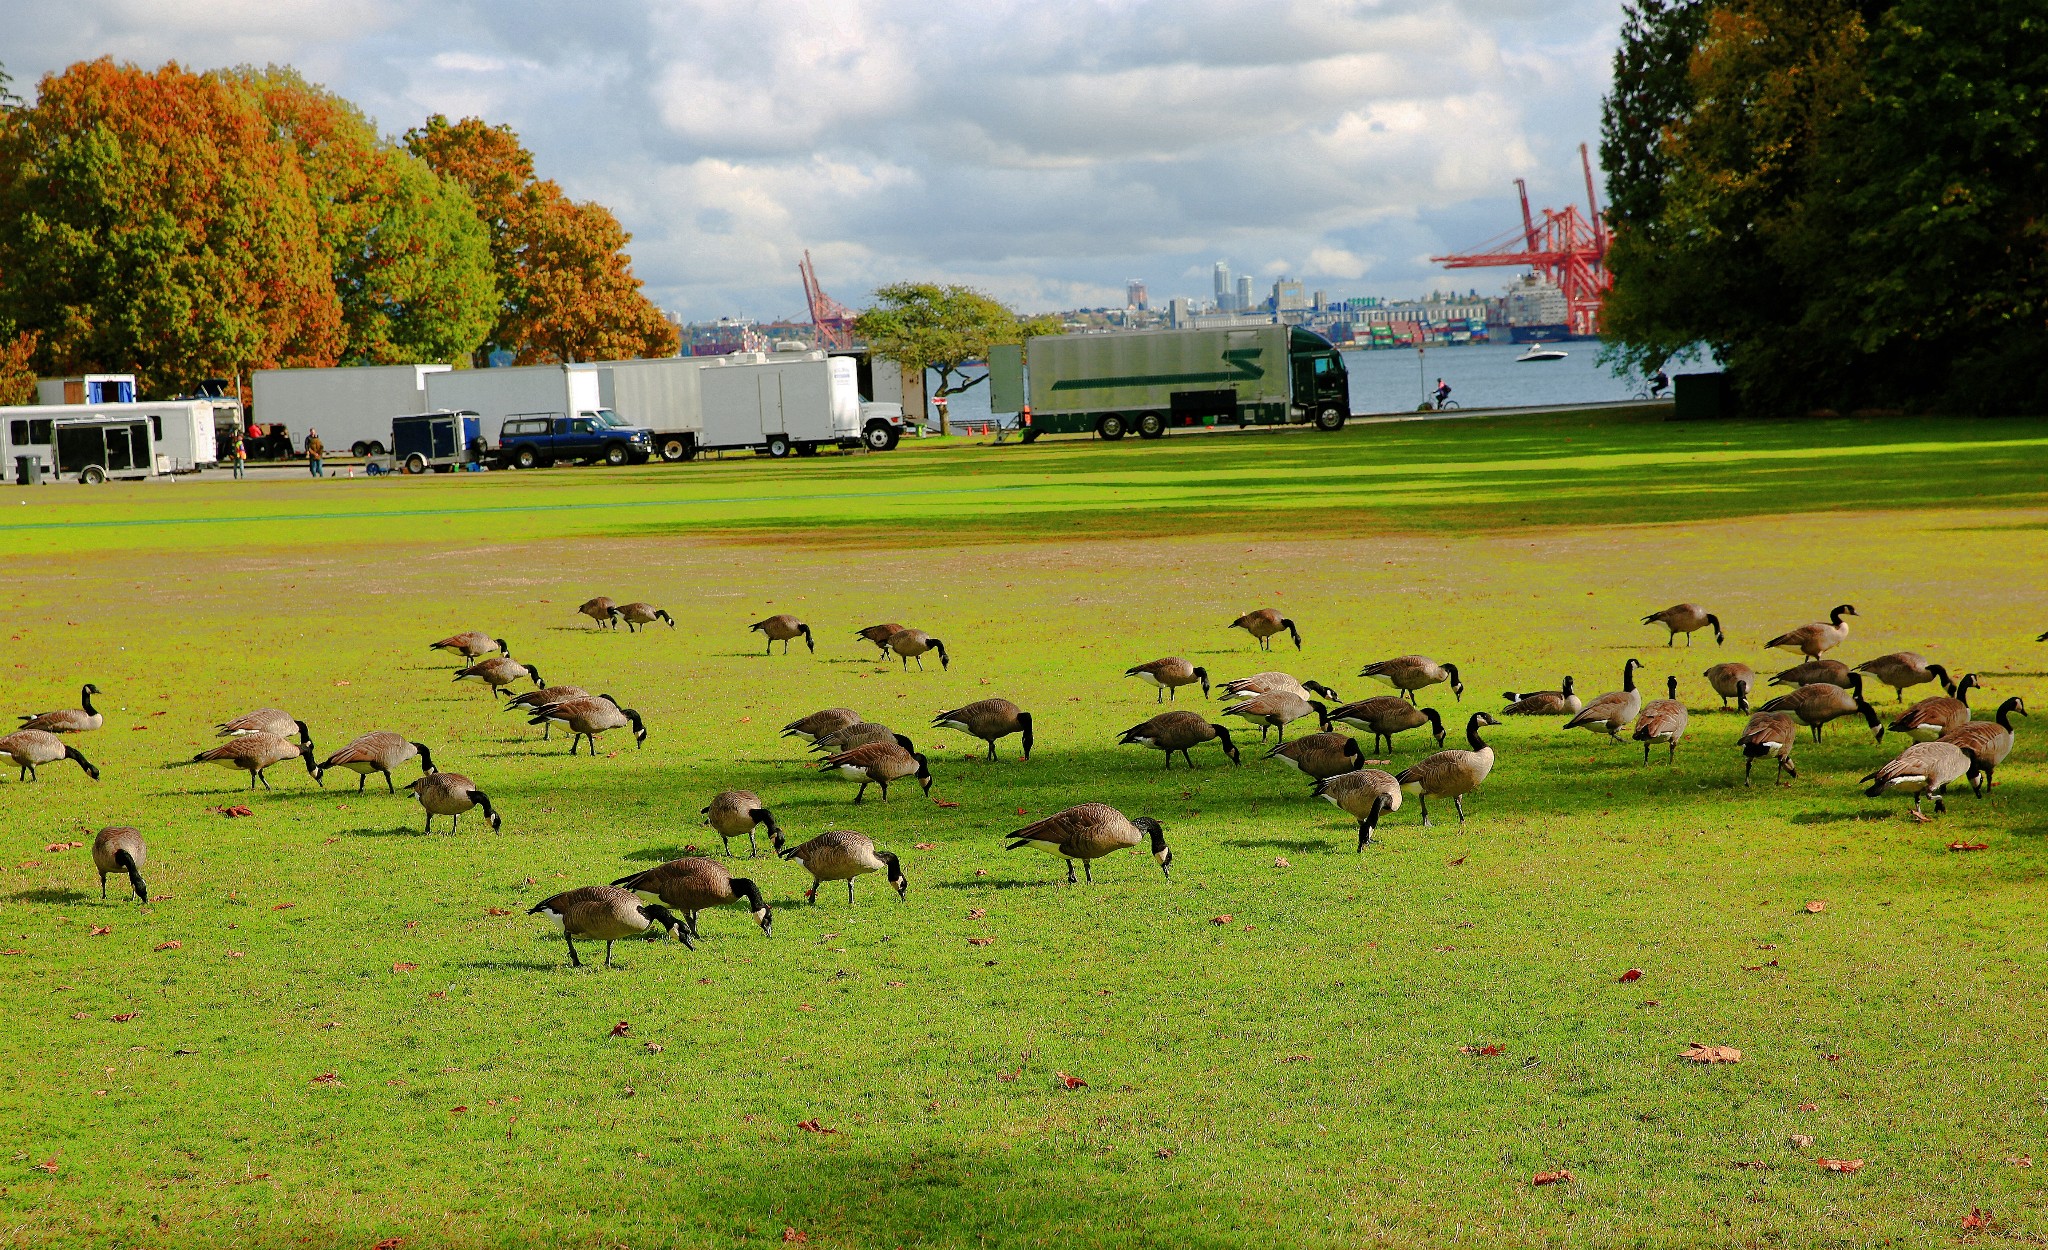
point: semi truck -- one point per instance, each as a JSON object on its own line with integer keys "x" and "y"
{"x": 351, "y": 406}
{"x": 514, "y": 403}
{"x": 777, "y": 404}
{"x": 1152, "y": 381}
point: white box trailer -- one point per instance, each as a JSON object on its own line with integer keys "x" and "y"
{"x": 179, "y": 437}
{"x": 660, "y": 394}
{"x": 350, "y": 406}
{"x": 773, "y": 403}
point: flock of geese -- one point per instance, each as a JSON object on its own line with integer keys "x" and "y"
{"x": 1947, "y": 745}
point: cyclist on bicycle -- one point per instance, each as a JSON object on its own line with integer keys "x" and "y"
{"x": 1442, "y": 392}
{"x": 1659, "y": 383}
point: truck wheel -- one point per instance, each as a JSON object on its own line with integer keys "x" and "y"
{"x": 675, "y": 449}
{"x": 1111, "y": 427}
{"x": 615, "y": 455}
{"x": 526, "y": 458}
{"x": 1151, "y": 425}
{"x": 415, "y": 463}
{"x": 895, "y": 437}
{"x": 376, "y": 448}
{"x": 359, "y": 448}
{"x": 1329, "y": 420}
{"x": 92, "y": 475}
{"x": 877, "y": 437}
{"x": 1030, "y": 436}
{"x": 778, "y": 446}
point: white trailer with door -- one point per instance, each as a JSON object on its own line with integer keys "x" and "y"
{"x": 772, "y": 403}
{"x": 178, "y": 437}
{"x": 661, "y": 395}
{"x": 350, "y": 406}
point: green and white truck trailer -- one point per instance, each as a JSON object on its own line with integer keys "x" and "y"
{"x": 1152, "y": 381}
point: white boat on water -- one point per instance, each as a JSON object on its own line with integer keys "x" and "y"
{"x": 1541, "y": 353}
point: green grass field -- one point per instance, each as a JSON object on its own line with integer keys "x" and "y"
{"x": 1270, "y": 1040}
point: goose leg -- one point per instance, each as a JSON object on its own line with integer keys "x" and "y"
{"x": 811, "y": 895}
{"x": 1748, "y": 764}
{"x": 1070, "y": 872}
{"x": 991, "y": 748}
{"x": 608, "y": 952}
{"x": 1458, "y": 801}
{"x": 103, "y": 885}
{"x": 849, "y": 891}
{"x": 574, "y": 962}
{"x": 1424, "y": 800}
{"x": 1646, "y": 750}
{"x": 1087, "y": 870}
{"x": 1672, "y": 758}
{"x": 260, "y": 777}
{"x": 753, "y": 847}
{"x": 860, "y": 793}
{"x": 1785, "y": 765}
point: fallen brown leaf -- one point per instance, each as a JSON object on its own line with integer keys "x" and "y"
{"x": 1453, "y": 863}
{"x": 976, "y": 913}
{"x": 1711, "y": 1054}
{"x": 1817, "y": 905}
{"x": 1760, "y": 967}
{"x": 2021, "y": 1161}
{"x": 1633, "y": 974}
{"x": 1976, "y": 1219}
{"x": 389, "y": 1243}
{"x": 1969, "y": 846}
{"x": 1163, "y": 1154}
{"x": 124, "y": 1017}
{"x": 327, "y": 1078}
{"x": 437, "y": 994}
{"x": 1800, "y": 1141}
{"x": 925, "y": 846}
{"x": 1223, "y": 919}
{"x": 284, "y": 907}
{"x": 980, "y": 941}
{"x": 944, "y": 803}
{"x": 1009, "y": 1076}
{"x": 48, "y": 1165}
{"x": 1294, "y": 1058}
{"x": 1071, "y": 1082}
{"x": 791, "y": 1235}
{"x": 621, "y": 1029}
{"x": 894, "y": 985}
{"x": 1280, "y": 861}
{"x": 805, "y": 1007}
{"x": 812, "y": 1126}
{"x": 1558, "y": 1177}
{"x": 981, "y": 872}
{"x": 1808, "y": 1106}
{"x": 457, "y": 1110}
{"x": 172, "y": 945}
{"x": 497, "y": 911}
{"x": 1488, "y": 1049}
{"x": 1840, "y": 1165}
{"x": 403, "y": 967}
{"x": 100, "y": 930}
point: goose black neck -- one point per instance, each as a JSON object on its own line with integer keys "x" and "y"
{"x": 85, "y": 701}
{"x": 1472, "y": 733}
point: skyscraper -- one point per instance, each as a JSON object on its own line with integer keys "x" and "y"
{"x": 1134, "y": 294}
{"x": 1243, "y": 302}
{"x": 1223, "y": 296}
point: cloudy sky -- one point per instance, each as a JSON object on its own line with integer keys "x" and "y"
{"x": 1044, "y": 152}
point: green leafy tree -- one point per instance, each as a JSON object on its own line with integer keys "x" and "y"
{"x": 925, "y": 326}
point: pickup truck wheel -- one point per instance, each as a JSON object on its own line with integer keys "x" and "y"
{"x": 675, "y": 449}
{"x": 358, "y": 448}
{"x": 415, "y": 463}
{"x": 1151, "y": 425}
{"x": 616, "y": 455}
{"x": 1329, "y": 420}
{"x": 526, "y": 458}
{"x": 876, "y": 436}
{"x": 778, "y": 446}
{"x": 1111, "y": 427}
{"x": 92, "y": 475}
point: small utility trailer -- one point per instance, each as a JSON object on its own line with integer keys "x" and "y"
{"x": 441, "y": 441}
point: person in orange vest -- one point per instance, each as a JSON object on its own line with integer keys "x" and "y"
{"x": 238, "y": 452}
{"x": 316, "y": 451}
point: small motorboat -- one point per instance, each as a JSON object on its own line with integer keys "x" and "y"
{"x": 1541, "y": 353}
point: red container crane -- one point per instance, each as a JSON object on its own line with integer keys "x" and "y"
{"x": 832, "y": 319}
{"x": 1567, "y": 247}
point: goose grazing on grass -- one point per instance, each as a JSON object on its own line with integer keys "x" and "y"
{"x": 30, "y": 748}
{"x": 602, "y": 610}
{"x": 1613, "y": 710}
{"x": 1662, "y": 720}
{"x": 1089, "y": 831}
{"x": 603, "y": 913}
{"x": 783, "y": 628}
{"x": 472, "y": 645}
{"x": 1276, "y": 683}
{"x": 1988, "y": 741}
{"x": 878, "y": 764}
{"x": 1559, "y": 702}
{"x": 119, "y": 848}
{"x": 637, "y": 614}
{"x": 587, "y": 718}
{"x": 497, "y": 672}
{"x": 880, "y": 635}
{"x": 1179, "y": 731}
{"x": 817, "y": 724}
{"x": 1278, "y": 711}
{"x": 538, "y": 699}
{"x": 1811, "y": 640}
{"x": 266, "y": 720}
{"x": 1385, "y": 715}
{"x": 1732, "y": 681}
{"x": 1321, "y": 755}
{"x": 1903, "y": 669}
{"x": 734, "y": 812}
{"x": 1769, "y": 735}
{"x": 911, "y": 644}
{"x": 690, "y": 885}
{"x": 988, "y": 720}
{"x": 1451, "y": 774}
{"x": 450, "y": 795}
{"x": 254, "y": 753}
{"x": 858, "y": 736}
{"x": 842, "y": 855}
{"x": 1814, "y": 673}
{"x": 1365, "y": 794}
{"x": 376, "y": 752}
{"x": 1928, "y": 719}
{"x": 1410, "y": 673}
{"x": 1684, "y": 618}
{"x": 70, "y": 720}
{"x": 1264, "y": 624}
{"x": 1922, "y": 770}
{"x": 1818, "y": 704}
{"x": 1169, "y": 675}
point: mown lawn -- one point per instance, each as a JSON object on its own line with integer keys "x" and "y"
{"x": 1270, "y": 1040}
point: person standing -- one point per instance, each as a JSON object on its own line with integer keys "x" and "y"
{"x": 315, "y": 452}
{"x": 238, "y": 451}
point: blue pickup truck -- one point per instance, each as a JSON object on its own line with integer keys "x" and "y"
{"x": 539, "y": 439}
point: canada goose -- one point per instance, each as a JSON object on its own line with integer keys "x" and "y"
{"x": 879, "y": 763}
{"x": 1451, "y": 774}
{"x": 1901, "y": 669}
{"x": 1560, "y": 702}
{"x": 119, "y": 848}
{"x": 988, "y": 720}
{"x": 1814, "y": 673}
{"x": 1662, "y": 720}
{"x": 1989, "y": 741}
{"x": 1277, "y": 711}
{"x": 638, "y": 614}
{"x": 1385, "y": 715}
{"x": 1276, "y": 683}
{"x": 1771, "y": 734}
{"x": 909, "y": 644}
{"x": 1089, "y": 831}
{"x": 858, "y": 736}
{"x": 1928, "y": 719}
{"x": 694, "y": 883}
{"x": 254, "y": 753}
{"x": 1177, "y": 731}
{"x": 1321, "y": 755}
{"x": 1811, "y": 640}
{"x": 587, "y": 718}
{"x": 601, "y": 610}
{"x": 880, "y": 634}
{"x": 376, "y": 752}
{"x": 734, "y": 812}
{"x": 1366, "y": 794}
{"x": 472, "y": 645}
{"x": 266, "y": 720}
{"x": 450, "y": 795}
{"x": 538, "y": 699}
{"x": 781, "y": 628}
{"x": 1820, "y": 703}
{"x": 1732, "y": 681}
{"x": 30, "y": 748}
{"x": 602, "y": 912}
{"x": 1608, "y": 713}
{"x": 1684, "y": 618}
{"x": 1265, "y": 623}
{"x": 1922, "y": 770}
{"x": 809, "y": 728}
{"x": 1169, "y": 675}
{"x": 70, "y": 720}
{"x": 497, "y": 672}
{"x": 1410, "y": 673}
{"x": 842, "y": 855}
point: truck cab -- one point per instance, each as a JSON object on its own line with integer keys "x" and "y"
{"x": 1321, "y": 384}
{"x": 532, "y": 440}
